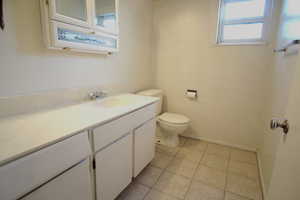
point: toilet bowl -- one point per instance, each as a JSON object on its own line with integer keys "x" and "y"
{"x": 169, "y": 125}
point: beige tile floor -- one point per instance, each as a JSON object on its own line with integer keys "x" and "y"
{"x": 197, "y": 170}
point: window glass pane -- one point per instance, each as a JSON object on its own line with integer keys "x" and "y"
{"x": 291, "y": 23}
{"x": 292, "y": 8}
{"x": 292, "y": 29}
{"x": 242, "y": 31}
{"x": 244, "y": 9}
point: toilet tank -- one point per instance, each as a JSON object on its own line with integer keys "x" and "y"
{"x": 154, "y": 93}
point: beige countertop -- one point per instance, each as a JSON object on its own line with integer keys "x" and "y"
{"x": 25, "y": 134}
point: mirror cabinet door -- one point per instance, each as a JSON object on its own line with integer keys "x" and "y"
{"x": 76, "y": 10}
{"x": 106, "y": 15}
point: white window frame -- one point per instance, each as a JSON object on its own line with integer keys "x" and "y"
{"x": 221, "y": 22}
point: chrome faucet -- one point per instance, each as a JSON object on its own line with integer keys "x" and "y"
{"x": 97, "y": 95}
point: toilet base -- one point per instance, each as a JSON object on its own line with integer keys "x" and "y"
{"x": 171, "y": 140}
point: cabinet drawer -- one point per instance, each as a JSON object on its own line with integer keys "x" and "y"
{"x": 25, "y": 174}
{"x": 107, "y": 133}
{"x": 74, "y": 184}
{"x": 144, "y": 114}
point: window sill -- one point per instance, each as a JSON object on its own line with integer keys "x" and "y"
{"x": 242, "y": 44}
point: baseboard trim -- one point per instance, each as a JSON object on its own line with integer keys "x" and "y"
{"x": 261, "y": 177}
{"x": 222, "y": 143}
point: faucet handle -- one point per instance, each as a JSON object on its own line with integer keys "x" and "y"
{"x": 92, "y": 95}
{"x": 97, "y": 94}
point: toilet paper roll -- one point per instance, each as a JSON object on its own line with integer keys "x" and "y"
{"x": 191, "y": 95}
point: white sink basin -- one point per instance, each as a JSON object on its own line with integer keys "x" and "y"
{"x": 111, "y": 102}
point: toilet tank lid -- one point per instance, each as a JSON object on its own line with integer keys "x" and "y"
{"x": 151, "y": 92}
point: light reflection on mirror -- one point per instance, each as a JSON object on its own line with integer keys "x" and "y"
{"x": 106, "y": 14}
{"x": 291, "y": 23}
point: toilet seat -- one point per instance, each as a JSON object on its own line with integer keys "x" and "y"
{"x": 172, "y": 118}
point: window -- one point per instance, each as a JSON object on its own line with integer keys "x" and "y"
{"x": 291, "y": 25}
{"x": 242, "y": 21}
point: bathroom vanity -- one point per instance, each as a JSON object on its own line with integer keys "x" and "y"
{"x": 87, "y": 151}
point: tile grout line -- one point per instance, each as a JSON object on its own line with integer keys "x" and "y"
{"x": 162, "y": 172}
{"x": 165, "y": 170}
{"x": 260, "y": 181}
{"x": 227, "y": 173}
{"x": 193, "y": 177}
{"x": 205, "y": 152}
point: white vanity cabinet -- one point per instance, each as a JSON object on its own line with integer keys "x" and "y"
{"x": 81, "y": 25}
{"x": 99, "y": 159}
{"x": 74, "y": 184}
{"x": 123, "y": 147}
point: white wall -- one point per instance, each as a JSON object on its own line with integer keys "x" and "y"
{"x": 231, "y": 80}
{"x": 26, "y": 67}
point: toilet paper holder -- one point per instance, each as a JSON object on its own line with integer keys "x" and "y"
{"x": 192, "y": 94}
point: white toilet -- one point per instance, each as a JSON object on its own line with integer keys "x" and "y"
{"x": 170, "y": 125}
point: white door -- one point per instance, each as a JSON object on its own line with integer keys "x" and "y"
{"x": 114, "y": 168}
{"x": 144, "y": 146}
{"x": 285, "y": 181}
{"x": 74, "y": 184}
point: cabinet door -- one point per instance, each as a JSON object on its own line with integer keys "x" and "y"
{"x": 114, "y": 168}
{"x": 74, "y": 184}
{"x": 77, "y": 12}
{"x": 105, "y": 15}
{"x": 67, "y": 36}
{"x": 144, "y": 145}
